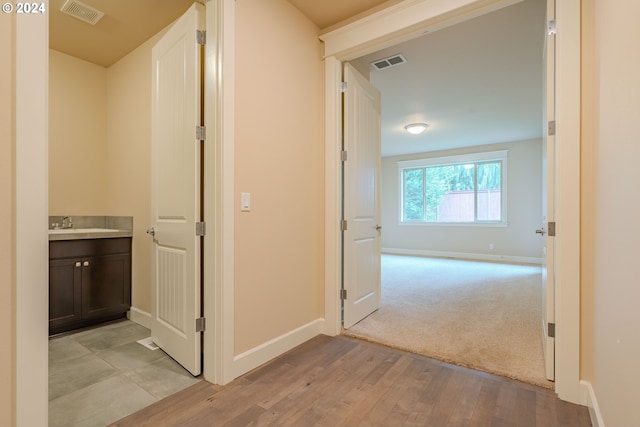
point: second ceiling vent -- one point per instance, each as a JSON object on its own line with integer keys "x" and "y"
{"x": 389, "y": 62}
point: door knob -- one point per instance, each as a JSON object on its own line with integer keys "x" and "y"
{"x": 151, "y": 231}
{"x": 541, "y": 231}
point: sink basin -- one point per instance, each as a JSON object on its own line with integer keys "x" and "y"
{"x": 82, "y": 230}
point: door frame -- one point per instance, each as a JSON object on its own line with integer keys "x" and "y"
{"x": 407, "y": 20}
{"x": 30, "y": 244}
{"x": 219, "y": 180}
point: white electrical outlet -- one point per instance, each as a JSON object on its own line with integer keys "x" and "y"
{"x": 245, "y": 202}
{"x": 491, "y": 246}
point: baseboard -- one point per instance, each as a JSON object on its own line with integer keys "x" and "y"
{"x": 592, "y": 404}
{"x": 140, "y": 317}
{"x": 463, "y": 255}
{"x": 263, "y": 353}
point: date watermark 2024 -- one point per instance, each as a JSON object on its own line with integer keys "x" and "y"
{"x": 24, "y": 8}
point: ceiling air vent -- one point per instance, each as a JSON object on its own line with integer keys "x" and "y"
{"x": 82, "y": 11}
{"x": 389, "y": 62}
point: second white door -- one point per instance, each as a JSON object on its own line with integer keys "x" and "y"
{"x": 361, "y": 237}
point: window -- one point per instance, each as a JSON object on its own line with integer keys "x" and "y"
{"x": 468, "y": 189}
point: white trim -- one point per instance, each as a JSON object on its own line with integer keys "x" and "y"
{"x": 333, "y": 205}
{"x": 31, "y": 38}
{"x": 481, "y": 156}
{"x": 401, "y": 22}
{"x": 391, "y": 26}
{"x": 464, "y": 255}
{"x": 592, "y": 404}
{"x": 452, "y": 224}
{"x": 140, "y": 317}
{"x": 263, "y": 353}
{"x": 219, "y": 205}
{"x": 567, "y": 205}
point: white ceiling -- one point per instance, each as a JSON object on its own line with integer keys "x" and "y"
{"x": 478, "y": 82}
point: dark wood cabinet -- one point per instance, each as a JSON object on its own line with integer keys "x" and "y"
{"x": 89, "y": 282}
{"x": 65, "y": 292}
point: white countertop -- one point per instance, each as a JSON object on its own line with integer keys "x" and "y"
{"x": 87, "y": 233}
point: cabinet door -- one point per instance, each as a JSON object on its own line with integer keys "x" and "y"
{"x": 65, "y": 292}
{"x": 106, "y": 285}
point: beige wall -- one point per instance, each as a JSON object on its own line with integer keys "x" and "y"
{"x": 611, "y": 97}
{"x": 279, "y": 251}
{"x": 128, "y": 159}
{"x": 524, "y": 209}
{"x": 7, "y": 254}
{"x": 77, "y": 136}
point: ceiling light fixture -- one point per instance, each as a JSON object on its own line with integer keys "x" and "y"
{"x": 416, "y": 128}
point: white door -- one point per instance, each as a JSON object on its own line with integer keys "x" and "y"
{"x": 548, "y": 201}
{"x": 176, "y": 183}
{"x": 361, "y": 239}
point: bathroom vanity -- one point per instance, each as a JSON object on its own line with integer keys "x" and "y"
{"x": 89, "y": 277}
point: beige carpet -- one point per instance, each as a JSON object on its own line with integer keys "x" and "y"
{"x": 482, "y": 315}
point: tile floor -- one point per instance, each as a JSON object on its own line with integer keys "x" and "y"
{"x": 100, "y": 375}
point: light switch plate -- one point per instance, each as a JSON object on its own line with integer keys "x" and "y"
{"x": 245, "y": 202}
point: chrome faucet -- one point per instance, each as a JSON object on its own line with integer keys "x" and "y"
{"x": 67, "y": 222}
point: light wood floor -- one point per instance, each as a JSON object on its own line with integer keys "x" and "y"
{"x": 342, "y": 381}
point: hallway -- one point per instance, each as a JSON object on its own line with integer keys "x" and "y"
{"x": 343, "y": 381}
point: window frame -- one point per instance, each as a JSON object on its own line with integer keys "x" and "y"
{"x": 475, "y": 158}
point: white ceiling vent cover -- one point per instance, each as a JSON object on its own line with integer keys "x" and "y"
{"x": 389, "y": 62}
{"x": 82, "y": 11}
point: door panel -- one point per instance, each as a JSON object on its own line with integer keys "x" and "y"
{"x": 361, "y": 198}
{"x": 176, "y": 183}
{"x": 548, "y": 201}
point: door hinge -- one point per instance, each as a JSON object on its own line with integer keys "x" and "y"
{"x": 343, "y": 87}
{"x": 551, "y": 128}
{"x": 201, "y": 133}
{"x": 551, "y": 229}
{"x": 343, "y": 155}
{"x": 551, "y": 27}
{"x": 343, "y": 225}
{"x": 551, "y": 330}
{"x": 201, "y": 37}
{"x": 200, "y": 324}
{"x": 201, "y": 228}
{"x": 343, "y": 294}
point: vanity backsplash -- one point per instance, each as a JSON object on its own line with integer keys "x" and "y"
{"x": 124, "y": 223}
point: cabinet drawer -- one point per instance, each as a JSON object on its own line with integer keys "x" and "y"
{"x": 89, "y": 247}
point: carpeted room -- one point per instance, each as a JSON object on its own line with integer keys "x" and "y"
{"x": 468, "y": 294}
{"x": 482, "y": 315}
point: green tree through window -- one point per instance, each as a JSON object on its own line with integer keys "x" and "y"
{"x": 461, "y": 192}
